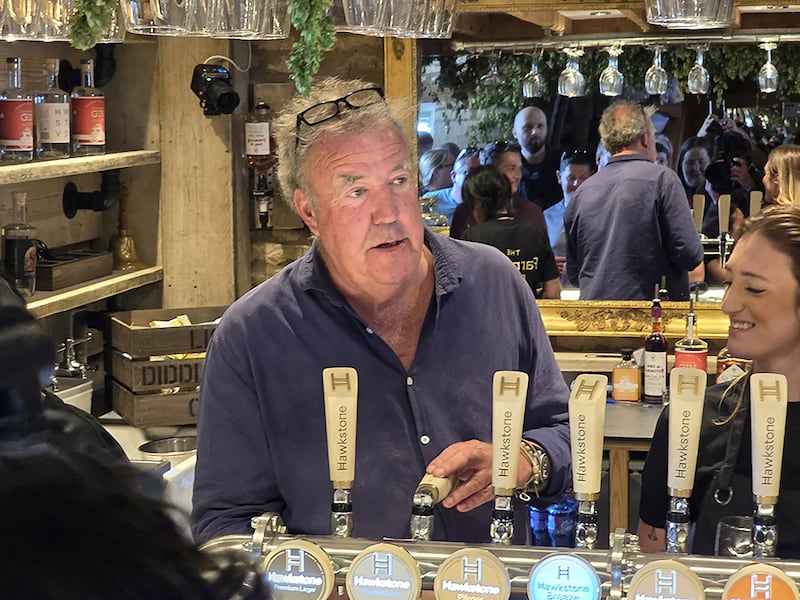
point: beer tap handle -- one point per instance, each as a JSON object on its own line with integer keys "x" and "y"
{"x": 698, "y": 208}
{"x": 340, "y": 387}
{"x": 756, "y": 198}
{"x": 587, "y": 417}
{"x": 430, "y": 491}
{"x": 509, "y": 391}
{"x": 724, "y": 208}
{"x": 768, "y": 402}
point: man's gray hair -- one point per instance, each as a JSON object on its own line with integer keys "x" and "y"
{"x": 293, "y": 143}
{"x": 623, "y": 124}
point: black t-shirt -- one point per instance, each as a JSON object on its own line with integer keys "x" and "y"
{"x": 539, "y": 182}
{"x": 526, "y": 245}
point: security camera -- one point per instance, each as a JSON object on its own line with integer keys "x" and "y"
{"x": 212, "y": 84}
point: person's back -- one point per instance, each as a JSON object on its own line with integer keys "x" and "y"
{"x": 629, "y": 225}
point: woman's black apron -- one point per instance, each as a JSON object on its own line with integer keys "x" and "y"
{"x": 731, "y": 493}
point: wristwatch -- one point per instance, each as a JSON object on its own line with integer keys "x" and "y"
{"x": 540, "y": 466}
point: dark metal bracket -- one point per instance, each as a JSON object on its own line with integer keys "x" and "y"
{"x": 106, "y": 197}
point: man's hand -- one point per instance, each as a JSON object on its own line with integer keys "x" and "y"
{"x": 472, "y": 461}
{"x": 560, "y": 262}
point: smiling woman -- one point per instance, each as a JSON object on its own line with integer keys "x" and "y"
{"x": 762, "y": 301}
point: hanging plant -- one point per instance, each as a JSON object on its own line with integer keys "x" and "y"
{"x": 317, "y": 36}
{"x": 89, "y": 21}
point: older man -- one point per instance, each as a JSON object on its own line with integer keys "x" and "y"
{"x": 381, "y": 294}
{"x": 539, "y": 164}
{"x": 629, "y": 225}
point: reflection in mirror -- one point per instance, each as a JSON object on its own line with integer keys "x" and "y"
{"x": 455, "y": 108}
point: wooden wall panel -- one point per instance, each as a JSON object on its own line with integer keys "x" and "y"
{"x": 196, "y": 182}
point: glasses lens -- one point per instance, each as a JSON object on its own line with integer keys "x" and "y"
{"x": 320, "y": 112}
{"x": 362, "y": 98}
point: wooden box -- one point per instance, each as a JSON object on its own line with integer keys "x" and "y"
{"x": 145, "y": 360}
{"x": 71, "y": 268}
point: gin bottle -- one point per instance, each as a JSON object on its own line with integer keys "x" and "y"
{"x": 19, "y": 247}
{"x": 88, "y": 115}
{"x": 16, "y": 117}
{"x": 52, "y": 116}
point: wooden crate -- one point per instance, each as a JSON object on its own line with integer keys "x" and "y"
{"x": 155, "y": 410}
{"x": 137, "y": 380}
{"x": 132, "y": 334}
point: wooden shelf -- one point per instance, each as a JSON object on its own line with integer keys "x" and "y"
{"x": 50, "y": 169}
{"x": 44, "y": 304}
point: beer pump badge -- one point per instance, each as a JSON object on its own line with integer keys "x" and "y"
{"x": 384, "y": 571}
{"x": 760, "y": 582}
{"x": 563, "y": 576}
{"x": 472, "y": 573}
{"x": 663, "y": 579}
{"x": 298, "y": 569}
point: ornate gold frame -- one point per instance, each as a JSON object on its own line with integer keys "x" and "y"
{"x": 628, "y": 319}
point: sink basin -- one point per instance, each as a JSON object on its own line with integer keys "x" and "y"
{"x": 75, "y": 391}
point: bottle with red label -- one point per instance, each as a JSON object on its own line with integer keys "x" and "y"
{"x": 88, "y": 114}
{"x": 691, "y": 351}
{"x": 16, "y": 117}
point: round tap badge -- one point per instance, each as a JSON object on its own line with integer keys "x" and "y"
{"x": 472, "y": 573}
{"x": 666, "y": 579}
{"x": 298, "y": 569}
{"x": 760, "y": 582}
{"x": 385, "y": 571}
{"x": 563, "y": 576}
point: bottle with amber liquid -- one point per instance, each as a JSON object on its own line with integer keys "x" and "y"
{"x": 626, "y": 379}
{"x": 655, "y": 359}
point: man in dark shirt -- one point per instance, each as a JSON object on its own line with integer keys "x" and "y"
{"x": 629, "y": 225}
{"x": 539, "y": 182}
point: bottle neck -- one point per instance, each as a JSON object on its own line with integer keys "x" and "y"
{"x": 20, "y": 212}
{"x": 14, "y": 76}
{"x": 656, "y": 325}
{"x": 690, "y": 327}
{"x": 51, "y": 77}
{"x": 87, "y": 76}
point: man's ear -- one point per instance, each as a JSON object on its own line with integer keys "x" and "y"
{"x": 558, "y": 176}
{"x": 305, "y": 208}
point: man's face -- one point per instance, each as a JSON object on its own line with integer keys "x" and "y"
{"x": 460, "y": 171}
{"x": 530, "y": 129}
{"x": 572, "y": 177}
{"x": 694, "y": 165}
{"x": 365, "y": 212}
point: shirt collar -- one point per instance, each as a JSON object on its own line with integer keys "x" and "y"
{"x": 449, "y": 266}
{"x": 628, "y": 157}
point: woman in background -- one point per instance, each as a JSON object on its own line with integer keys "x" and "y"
{"x": 488, "y": 197}
{"x": 762, "y": 300}
{"x": 782, "y": 175}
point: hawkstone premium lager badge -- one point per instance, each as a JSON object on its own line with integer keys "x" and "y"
{"x": 298, "y": 569}
{"x": 384, "y": 571}
{"x": 563, "y": 576}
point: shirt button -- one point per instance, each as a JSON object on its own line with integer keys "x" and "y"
{"x": 425, "y": 440}
{"x": 370, "y": 330}
{"x": 410, "y": 380}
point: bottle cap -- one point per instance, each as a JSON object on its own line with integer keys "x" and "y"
{"x": 627, "y": 354}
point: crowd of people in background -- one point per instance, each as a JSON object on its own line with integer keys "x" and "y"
{"x": 723, "y": 158}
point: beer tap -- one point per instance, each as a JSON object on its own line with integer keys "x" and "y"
{"x": 430, "y": 491}
{"x": 587, "y": 417}
{"x": 509, "y": 390}
{"x": 340, "y": 385}
{"x": 725, "y": 240}
{"x": 698, "y": 208}
{"x": 687, "y": 388}
{"x": 768, "y": 402}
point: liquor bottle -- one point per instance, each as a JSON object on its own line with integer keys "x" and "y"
{"x": 655, "y": 359}
{"x": 263, "y": 197}
{"x": 691, "y": 351}
{"x": 52, "y": 116}
{"x": 16, "y": 117}
{"x": 626, "y": 379}
{"x": 729, "y": 367}
{"x": 88, "y": 114}
{"x": 257, "y": 138}
{"x": 19, "y": 247}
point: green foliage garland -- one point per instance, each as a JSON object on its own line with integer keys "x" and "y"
{"x": 317, "y": 36}
{"x": 725, "y": 62}
{"x": 90, "y": 19}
